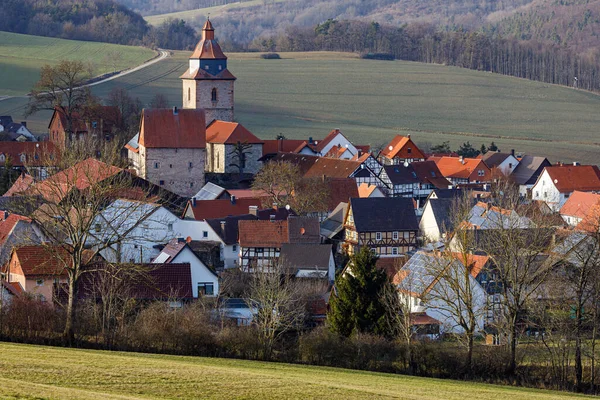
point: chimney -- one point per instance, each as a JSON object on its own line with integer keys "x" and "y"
{"x": 408, "y": 136}
{"x": 512, "y": 152}
{"x": 275, "y": 206}
{"x": 188, "y": 239}
{"x": 24, "y": 123}
{"x": 175, "y": 111}
{"x": 576, "y": 163}
{"x": 223, "y": 227}
{"x": 253, "y": 210}
{"x": 5, "y": 215}
{"x": 193, "y": 202}
{"x": 310, "y": 140}
{"x": 461, "y": 159}
{"x": 232, "y": 200}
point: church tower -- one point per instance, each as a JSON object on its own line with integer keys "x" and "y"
{"x": 207, "y": 83}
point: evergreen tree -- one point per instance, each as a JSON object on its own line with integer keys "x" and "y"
{"x": 493, "y": 147}
{"x": 467, "y": 150}
{"x": 443, "y": 148}
{"x": 483, "y": 149}
{"x": 357, "y": 304}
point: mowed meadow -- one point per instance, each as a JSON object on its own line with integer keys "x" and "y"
{"x": 308, "y": 94}
{"x": 37, "y": 372}
{"x": 23, "y": 55}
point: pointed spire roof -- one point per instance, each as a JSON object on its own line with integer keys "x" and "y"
{"x": 208, "y": 48}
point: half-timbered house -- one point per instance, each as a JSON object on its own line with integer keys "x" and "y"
{"x": 388, "y": 226}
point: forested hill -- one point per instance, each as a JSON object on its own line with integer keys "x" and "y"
{"x": 92, "y": 20}
{"x": 570, "y": 23}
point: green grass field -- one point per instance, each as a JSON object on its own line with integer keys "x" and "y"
{"x": 23, "y": 55}
{"x": 36, "y": 372}
{"x": 191, "y": 15}
{"x": 308, "y": 94}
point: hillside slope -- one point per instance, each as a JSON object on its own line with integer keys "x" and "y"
{"x": 49, "y": 372}
{"x": 23, "y": 56}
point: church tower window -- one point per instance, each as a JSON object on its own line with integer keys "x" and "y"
{"x": 213, "y": 95}
{"x": 189, "y": 94}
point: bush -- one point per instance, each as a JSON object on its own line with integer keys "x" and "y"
{"x": 240, "y": 342}
{"x": 378, "y": 56}
{"x": 270, "y": 56}
{"x": 323, "y": 347}
{"x": 29, "y": 319}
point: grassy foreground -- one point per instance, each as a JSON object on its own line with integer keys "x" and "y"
{"x": 23, "y": 55}
{"x": 36, "y": 372}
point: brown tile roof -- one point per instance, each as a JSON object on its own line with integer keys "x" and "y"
{"x": 318, "y": 167}
{"x": 210, "y": 209}
{"x": 266, "y": 233}
{"x": 80, "y": 176}
{"x": 36, "y": 153}
{"x": 262, "y": 233}
{"x": 428, "y": 172}
{"x": 23, "y": 182}
{"x": 340, "y": 191}
{"x": 165, "y": 128}
{"x": 391, "y": 265}
{"x": 39, "y": 260}
{"x": 398, "y": 148}
{"x": 579, "y": 204}
{"x": 423, "y": 319}
{"x": 568, "y": 178}
{"x": 229, "y": 133}
{"x": 282, "y": 146}
{"x": 321, "y": 144}
{"x": 108, "y": 116}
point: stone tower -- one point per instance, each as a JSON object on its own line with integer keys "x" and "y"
{"x": 207, "y": 83}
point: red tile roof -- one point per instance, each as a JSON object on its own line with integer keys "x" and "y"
{"x": 14, "y": 288}
{"x": 229, "y": 133}
{"x": 579, "y": 204}
{"x": 281, "y": 146}
{"x": 210, "y": 209}
{"x": 398, "y": 148}
{"x": 319, "y": 167}
{"x": 568, "y": 178}
{"x": 36, "y": 153}
{"x": 208, "y": 48}
{"x": 23, "y": 182}
{"x": 321, "y": 144}
{"x": 80, "y": 176}
{"x": 165, "y": 128}
{"x": 474, "y": 262}
{"x": 423, "y": 319}
{"x": 340, "y": 191}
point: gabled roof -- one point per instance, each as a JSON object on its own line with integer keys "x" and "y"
{"x": 167, "y": 128}
{"x": 454, "y": 167}
{"x": 318, "y": 167}
{"x": 493, "y": 159}
{"x": 273, "y": 146}
{"x": 442, "y": 212}
{"x": 209, "y": 209}
{"x": 109, "y": 115}
{"x": 308, "y": 256}
{"x": 321, "y": 144}
{"x": 474, "y": 262}
{"x": 229, "y": 231}
{"x": 80, "y": 176}
{"x": 591, "y": 222}
{"x": 23, "y": 182}
{"x": 40, "y": 260}
{"x": 579, "y": 204}
{"x": 384, "y": 214}
{"x": 528, "y": 169}
{"x": 223, "y": 132}
{"x": 14, "y": 288}
{"x": 267, "y": 233}
{"x": 170, "y": 252}
{"x": 398, "y": 148}
{"x": 8, "y": 224}
{"x": 424, "y": 172}
{"x": 568, "y": 178}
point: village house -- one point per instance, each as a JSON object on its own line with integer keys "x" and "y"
{"x": 401, "y": 150}
{"x": 37, "y": 158}
{"x": 207, "y": 83}
{"x": 502, "y": 162}
{"x": 100, "y": 124}
{"x": 14, "y": 131}
{"x": 261, "y": 241}
{"x": 460, "y": 170}
{"x": 205, "y": 281}
{"x": 388, "y": 226}
{"x": 577, "y": 206}
{"x": 556, "y": 183}
{"x": 308, "y": 260}
{"x": 170, "y": 149}
{"x": 231, "y": 148}
{"x": 527, "y": 172}
{"x": 421, "y": 283}
{"x": 208, "y": 209}
{"x": 16, "y": 230}
{"x": 436, "y": 220}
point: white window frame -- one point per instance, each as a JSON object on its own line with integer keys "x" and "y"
{"x": 378, "y": 236}
{"x": 395, "y": 235}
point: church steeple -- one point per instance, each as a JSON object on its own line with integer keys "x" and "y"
{"x": 208, "y": 83}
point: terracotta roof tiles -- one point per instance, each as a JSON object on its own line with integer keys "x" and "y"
{"x": 579, "y": 204}
{"x": 223, "y": 132}
{"x": 167, "y": 128}
{"x": 23, "y": 182}
{"x": 400, "y": 148}
{"x": 568, "y": 178}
